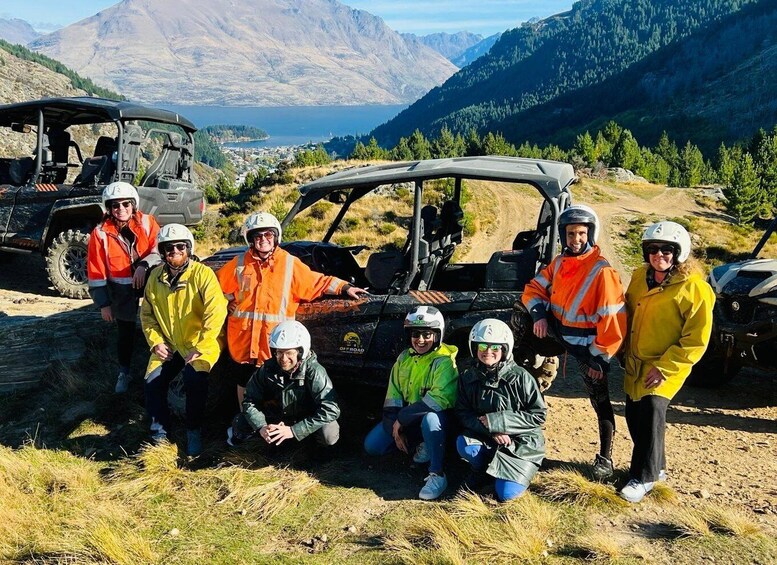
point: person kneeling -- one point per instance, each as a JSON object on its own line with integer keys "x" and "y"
{"x": 502, "y": 410}
{"x": 421, "y": 392}
{"x": 290, "y": 396}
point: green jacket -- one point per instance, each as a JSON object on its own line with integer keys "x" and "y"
{"x": 305, "y": 398}
{"x": 669, "y": 328}
{"x": 429, "y": 378}
{"x": 513, "y": 404}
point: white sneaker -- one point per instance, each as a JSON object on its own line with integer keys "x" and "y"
{"x": 421, "y": 455}
{"x": 662, "y": 476}
{"x": 155, "y": 426}
{"x": 122, "y": 382}
{"x": 635, "y": 490}
{"x": 434, "y": 487}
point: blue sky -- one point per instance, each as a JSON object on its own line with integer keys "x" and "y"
{"x": 419, "y": 16}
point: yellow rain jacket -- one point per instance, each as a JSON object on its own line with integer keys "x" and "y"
{"x": 669, "y": 328}
{"x": 187, "y": 317}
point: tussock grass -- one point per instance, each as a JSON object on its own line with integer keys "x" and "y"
{"x": 467, "y": 530}
{"x": 266, "y": 492}
{"x": 712, "y": 519}
{"x": 53, "y": 509}
{"x": 662, "y": 493}
{"x": 598, "y": 546}
{"x": 568, "y": 485}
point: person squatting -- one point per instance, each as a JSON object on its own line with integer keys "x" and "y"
{"x": 190, "y": 315}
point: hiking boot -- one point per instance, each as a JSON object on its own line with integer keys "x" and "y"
{"x": 602, "y": 468}
{"x": 475, "y": 480}
{"x": 233, "y": 440}
{"x": 158, "y": 433}
{"x": 434, "y": 487}
{"x": 122, "y": 382}
{"x": 635, "y": 490}
{"x": 421, "y": 455}
{"x": 193, "y": 443}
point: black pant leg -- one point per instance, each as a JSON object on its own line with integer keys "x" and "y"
{"x": 195, "y": 383}
{"x": 155, "y": 390}
{"x": 647, "y": 424}
{"x": 599, "y": 395}
{"x": 125, "y": 342}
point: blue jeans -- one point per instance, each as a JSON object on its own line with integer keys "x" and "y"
{"x": 479, "y": 455}
{"x": 433, "y": 426}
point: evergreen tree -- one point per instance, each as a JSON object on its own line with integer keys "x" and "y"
{"x": 691, "y": 166}
{"x": 765, "y": 160}
{"x": 419, "y": 145}
{"x": 585, "y": 149}
{"x": 444, "y": 145}
{"x": 626, "y": 152}
{"x": 724, "y": 165}
{"x": 743, "y": 194}
{"x": 495, "y": 144}
{"x": 474, "y": 146}
{"x": 402, "y": 151}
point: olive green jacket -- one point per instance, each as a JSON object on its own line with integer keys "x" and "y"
{"x": 513, "y": 404}
{"x": 304, "y": 400}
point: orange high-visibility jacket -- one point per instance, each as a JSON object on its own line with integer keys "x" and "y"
{"x": 586, "y": 296}
{"x": 111, "y": 258}
{"x": 267, "y": 293}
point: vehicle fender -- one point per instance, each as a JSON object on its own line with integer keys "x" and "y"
{"x": 88, "y": 207}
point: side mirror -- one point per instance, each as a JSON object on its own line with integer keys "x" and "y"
{"x": 21, "y": 128}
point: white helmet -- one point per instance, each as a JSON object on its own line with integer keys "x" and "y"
{"x": 492, "y": 330}
{"x": 668, "y": 232}
{"x": 261, "y": 221}
{"x": 291, "y": 335}
{"x": 175, "y": 232}
{"x": 579, "y": 214}
{"x": 120, "y": 190}
{"x": 426, "y": 317}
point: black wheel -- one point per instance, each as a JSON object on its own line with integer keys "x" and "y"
{"x": 713, "y": 370}
{"x": 66, "y": 264}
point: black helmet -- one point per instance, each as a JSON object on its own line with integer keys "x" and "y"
{"x": 579, "y": 214}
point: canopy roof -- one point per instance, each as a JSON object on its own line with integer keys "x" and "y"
{"x": 551, "y": 178}
{"x": 87, "y": 110}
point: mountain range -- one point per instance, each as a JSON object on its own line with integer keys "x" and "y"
{"x": 17, "y": 31}
{"x": 449, "y": 45}
{"x": 252, "y": 52}
{"x": 527, "y": 83}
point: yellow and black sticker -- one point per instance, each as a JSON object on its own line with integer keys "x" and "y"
{"x": 352, "y": 343}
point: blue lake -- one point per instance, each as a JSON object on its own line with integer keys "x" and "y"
{"x": 292, "y": 125}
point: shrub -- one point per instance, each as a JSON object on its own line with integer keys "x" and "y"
{"x": 319, "y": 210}
{"x": 385, "y": 228}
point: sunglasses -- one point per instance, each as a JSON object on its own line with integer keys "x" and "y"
{"x": 268, "y": 235}
{"x": 116, "y": 204}
{"x": 421, "y": 334}
{"x": 170, "y": 247}
{"x": 664, "y": 249}
{"x": 489, "y": 346}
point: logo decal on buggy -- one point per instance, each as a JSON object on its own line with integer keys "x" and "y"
{"x": 352, "y": 343}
